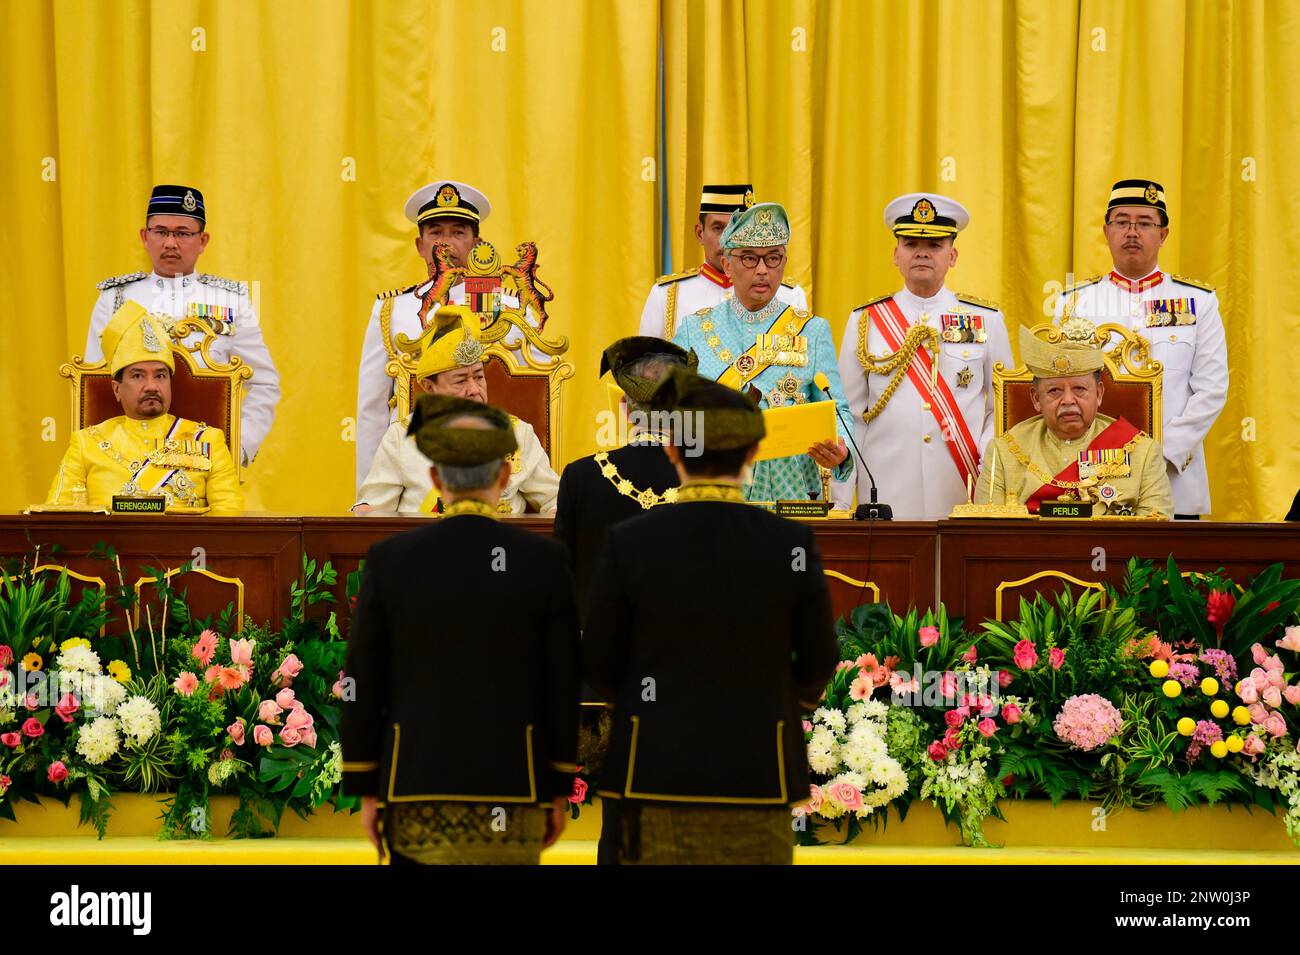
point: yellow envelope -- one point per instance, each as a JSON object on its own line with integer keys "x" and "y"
{"x": 793, "y": 429}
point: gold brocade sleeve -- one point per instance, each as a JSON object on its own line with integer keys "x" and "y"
{"x": 222, "y": 491}
{"x": 71, "y": 475}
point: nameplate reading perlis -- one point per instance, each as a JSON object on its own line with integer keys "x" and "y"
{"x": 801, "y": 508}
{"x": 139, "y": 505}
{"x": 1069, "y": 509}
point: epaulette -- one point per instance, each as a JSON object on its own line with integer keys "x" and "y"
{"x": 1183, "y": 280}
{"x": 981, "y": 302}
{"x": 117, "y": 280}
{"x": 1084, "y": 284}
{"x": 228, "y": 285}
{"x": 393, "y": 293}
{"x": 788, "y": 285}
{"x": 878, "y": 298}
{"x": 701, "y": 311}
{"x": 676, "y": 277}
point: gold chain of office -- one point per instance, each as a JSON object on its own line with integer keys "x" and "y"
{"x": 895, "y": 364}
{"x": 647, "y": 498}
{"x": 1051, "y": 479}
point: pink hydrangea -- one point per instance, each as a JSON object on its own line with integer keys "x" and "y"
{"x": 1087, "y": 721}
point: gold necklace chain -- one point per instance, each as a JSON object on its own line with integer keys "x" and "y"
{"x": 1050, "y": 479}
{"x": 647, "y": 498}
{"x": 897, "y": 363}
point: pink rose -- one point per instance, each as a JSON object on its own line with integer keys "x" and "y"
{"x": 205, "y": 648}
{"x": 12, "y": 740}
{"x": 5, "y": 783}
{"x": 952, "y": 739}
{"x": 1258, "y": 654}
{"x": 6, "y": 655}
{"x": 1273, "y": 663}
{"x": 970, "y": 656}
{"x": 308, "y": 737}
{"x": 1011, "y": 714}
{"x": 929, "y": 636}
{"x": 1004, "y": 678}
{"x": 299, "y": 719}
{"x": 1257, "y": 713}
{"x": 1273, "y": 697}
{"x": 815, "y": 798}
{"x": 31, "y": 701}
{"x": 938, "y": 752}
{"x": 1275, "y": 678}
{"x": 1025, "y": 654}
{"x": 33, "y": 728}
{"x": 67, "y": 707}
{"x": 337, "y": 688}
{"x": 986, "y": 705}
{"x": 285, "y": 699}
{"x": 1056, "y": 656}
{"x": 1253, "y": 745}
{"x": 1275, "y": 726}
{"x": 987, "y": 727}
{"x": 579, "y": 790}
{"x": 269, "y": 711}
{"x": 847, "y": 795}
{"x": 954, "y": 718}
{"x": 186, "y": 683}
{"x": 241, "y": 653}
{"x": 236, "y": 731}
{"x": 290, "y": 736}
{"x": 57, "y": 772}
{"x": 289, "y": 669}
{"x": 1248, "y": 692}
{"x": 807, "y": 726}
{"x": 1292, "y": 694}
{"x": 948, "y": 685}
{"x": 262, "y": 735}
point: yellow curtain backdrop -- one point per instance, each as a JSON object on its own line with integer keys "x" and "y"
{"x": 307, "y": 124}
{"x": 1026, "y": 112}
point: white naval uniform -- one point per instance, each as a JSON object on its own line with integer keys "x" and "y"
{"x": 375, "y": 387}
{"x": 1195, "y": 360}
{"x": 904, "y": 445}
{"x": 399, "y": 480}
{"x": 697, "y": 289}
{"x": 173, "y": 297}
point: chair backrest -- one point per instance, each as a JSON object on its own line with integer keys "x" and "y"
{"x": 1132, "y": 382}
{"x": 209, "y": 394}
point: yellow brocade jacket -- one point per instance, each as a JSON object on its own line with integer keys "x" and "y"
{"x": 184, "y": 461}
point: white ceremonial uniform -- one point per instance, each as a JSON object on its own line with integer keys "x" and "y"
{"x": 696, "y": 289}
{"x": 375, "y": 387}
{"x": 227, "y": 304}
{"x": 399, "y": 480}
{"x": 904, "y": 445}
{"x": 1194, "y": 355}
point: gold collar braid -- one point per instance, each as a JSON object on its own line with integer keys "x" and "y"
{"x": 710, "y": 492}
{"x": 469, "y": 505}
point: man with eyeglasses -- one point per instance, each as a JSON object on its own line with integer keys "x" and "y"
{"x": 917, "y": 366}
{"x": 174, "y": 236}
{"x": 684, "y": 293}
{"x": 1178, "y": 316}
{"x": 756, "y": 343}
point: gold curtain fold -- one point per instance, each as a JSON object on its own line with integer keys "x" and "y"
{"x": 1026, "y": 112}
{"x": 307, "y": 124}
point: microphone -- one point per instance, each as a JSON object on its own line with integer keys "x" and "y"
{"x": 864, "y": 512}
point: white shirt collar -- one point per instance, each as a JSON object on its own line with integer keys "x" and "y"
{"x": 931, "y": 304}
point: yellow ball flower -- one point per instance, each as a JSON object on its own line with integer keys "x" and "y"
{"x": 75, "y": 642}
{"x": 33, "y": 662}
{"x": 1209, "y": 686}
{"x": 1171, "y": 688}
{"x": 119, "y": 671}
{"x": 1235, "y": 744}
{"x": 1219, "y": 709}
{"x": 1187, "y": 726}
{"x": 1159, "y": 669}
{"x": 1218, "y": 749}
{"x": 1241, "y": 716}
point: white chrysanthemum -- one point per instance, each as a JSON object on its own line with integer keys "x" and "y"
{"x": 78, "y": 658}
{"x": 857, "y": 713}
{"x": 98, "y": 741}
{"x": 823, "y": 738}
{"x": 139, "y": 719}
{"x": 822, "y": 761}
{"x": 835, "y": 720}
{"x": 99, "y": 694}
{"x": 874, "y": 709}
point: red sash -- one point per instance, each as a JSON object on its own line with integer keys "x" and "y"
{"x": 1117, "y": 434}
{"x": 961, "y": 444}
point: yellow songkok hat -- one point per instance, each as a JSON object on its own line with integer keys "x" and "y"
{"x": 451, "y": 341}
{"x": 131, "y": 336}
{"x": 1061, "y": 359}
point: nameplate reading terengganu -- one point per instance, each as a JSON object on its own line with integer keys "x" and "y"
{"x": 139, "y": 505}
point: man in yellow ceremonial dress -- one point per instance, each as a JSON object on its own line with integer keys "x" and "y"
{"x": 146, "y": 452}
{"x": 451, "y": 363}
{"x": 1068, "y": 451}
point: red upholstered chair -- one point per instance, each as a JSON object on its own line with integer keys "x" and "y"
{"x": 1131, "y": 378}
{"x": 208, "y": 394}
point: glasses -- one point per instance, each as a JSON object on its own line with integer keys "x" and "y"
{"x": 749, "y": 260}
{"x": 1142, "y": 225}
{"x": 180, "y": 235}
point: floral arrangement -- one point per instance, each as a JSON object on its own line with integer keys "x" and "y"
{"x": 183, "y": 706}
{"x": 1172, "y": 688}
